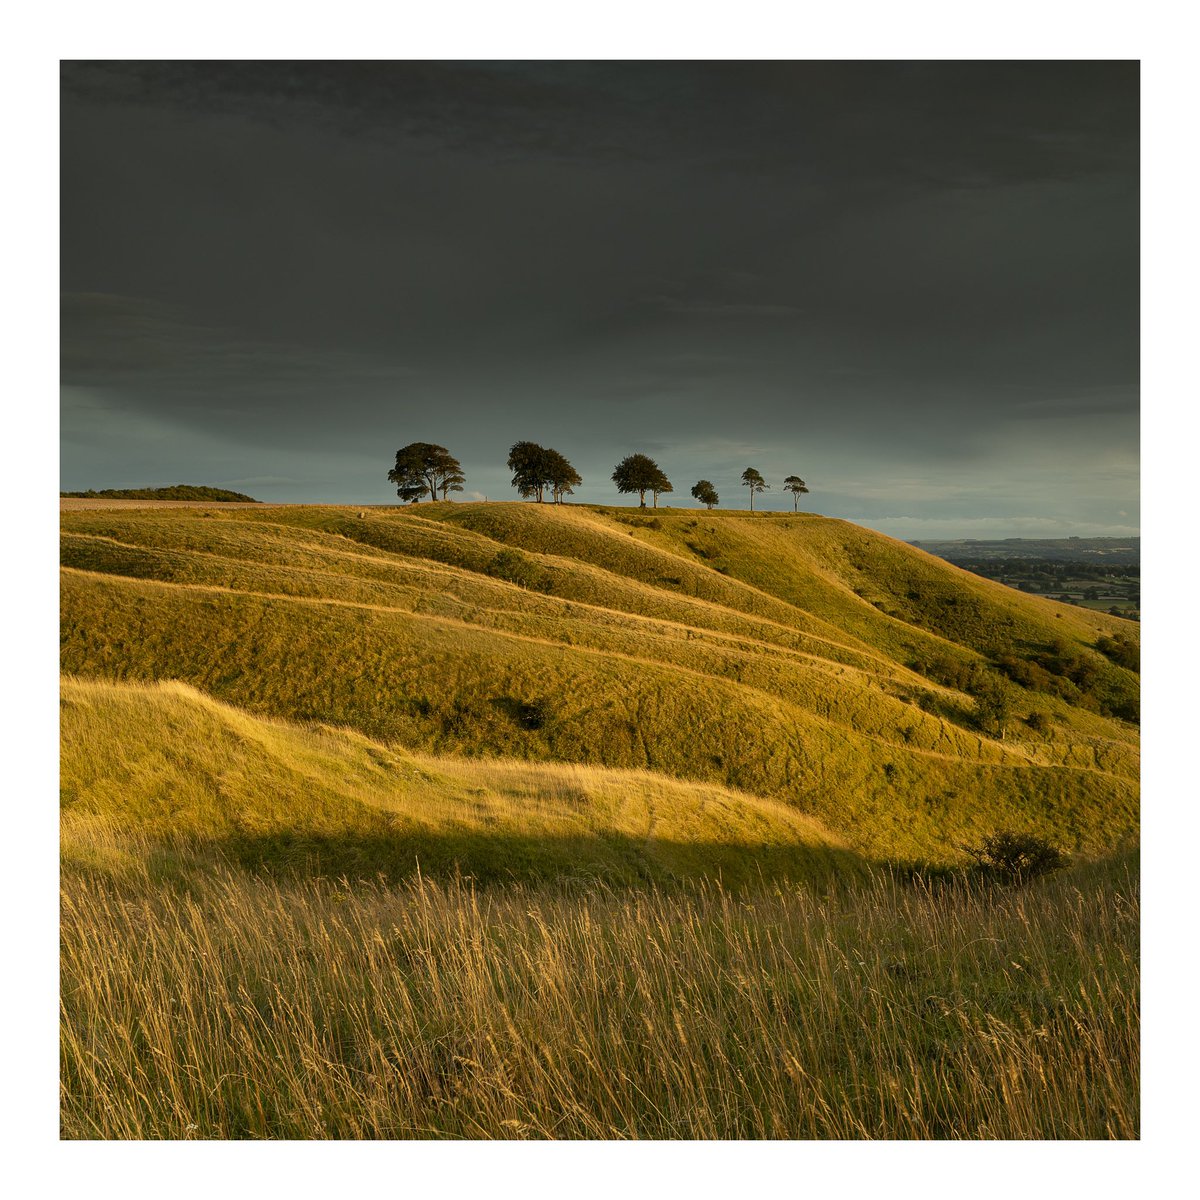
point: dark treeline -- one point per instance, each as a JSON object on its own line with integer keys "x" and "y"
{"x": 177, "y": 491}
{"x": 543, "y": 474}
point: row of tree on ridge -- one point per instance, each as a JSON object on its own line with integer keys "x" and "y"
{"x": 540, "y": 473}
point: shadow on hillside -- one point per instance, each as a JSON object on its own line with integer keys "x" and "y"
{"x": 491, "y": 858}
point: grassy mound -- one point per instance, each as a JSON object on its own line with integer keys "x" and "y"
{"x": 159, "y": 777}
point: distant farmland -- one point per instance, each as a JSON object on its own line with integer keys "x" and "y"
{"x": 1098, "y": 573}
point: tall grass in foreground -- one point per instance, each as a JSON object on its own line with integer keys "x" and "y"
{"x": 238, "y": 1006}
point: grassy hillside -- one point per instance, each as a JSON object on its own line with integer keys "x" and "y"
{"x": 509, "y": 821}
{"x": 158, "y": 775}
{"x": 799, "y": 659}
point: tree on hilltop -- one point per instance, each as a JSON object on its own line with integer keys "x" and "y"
{"x": 660, "y": 487}
{"x": 423, "y": 467}
{"x": 755, "y": 482}
{"x": 562, "y": 477}
{"x": 706, "y": 493}
{"x": 640, "y": 473}
{"x": 530, "y": 465}
{"x": 452, "y": 483}
{"x": 537, "y": 468}
{"x": 795, "y": 485}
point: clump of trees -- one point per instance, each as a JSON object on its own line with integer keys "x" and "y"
{"x": 542, "y": 473}
{"x": 177, "y": 491}
{"x": 424, "y": 467}
{"x": 755, "y": 482}
{"x": 992, "y": 703}
{"x": 538, "y": 470}
{"x": 641, "y": 474}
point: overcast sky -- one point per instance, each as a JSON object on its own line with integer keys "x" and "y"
{"x": 913, "y": 284}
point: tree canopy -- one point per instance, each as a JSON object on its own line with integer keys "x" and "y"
{"x": 423, "y": 467}
{"x": 562, "y": 477}
{"x": 538, "y": 468}
{"x": 661, "y": 486}
{"x": 452, "y": 483}
{"x": 755, "y": 482}
{"x": 531, "y": 468}
{"x": 640, "y": 473}
{"x": 705, "y": 493}
{"x": 795, "y": 485}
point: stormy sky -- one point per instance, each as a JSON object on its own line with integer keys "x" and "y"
{"x": 913, "y": 284}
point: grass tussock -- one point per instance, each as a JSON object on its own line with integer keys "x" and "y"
{"x": 232, "y": 1005}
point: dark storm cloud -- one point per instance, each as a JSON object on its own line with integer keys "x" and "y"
{"x": 857, "y": 271}
{"x": 931, "y": 124}
{"x": 139, "y": 344}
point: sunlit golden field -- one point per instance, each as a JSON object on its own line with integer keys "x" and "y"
{"x": 229, "y": 1004}
{"x": 517, "y": 821}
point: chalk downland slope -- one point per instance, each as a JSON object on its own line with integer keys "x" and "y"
{"x": 801, "y": 660}
{"x": 163, "y": 769}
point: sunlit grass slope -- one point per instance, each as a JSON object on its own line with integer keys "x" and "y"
{"x": 159, "y": 776}
{"x": 796, "y": 658}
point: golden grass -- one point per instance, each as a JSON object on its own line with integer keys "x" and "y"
{"x": 437, "y": 630}
{"x": 506, "y": 821}
{"x": 146, "y": 766}
{"x": 236, "y": 1006}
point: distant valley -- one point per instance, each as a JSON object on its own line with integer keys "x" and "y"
{"x": 1098, "y": 573}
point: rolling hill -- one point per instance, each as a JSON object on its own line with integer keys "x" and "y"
{"x": 165, "y": 763}
{"x": 777, "y": 680}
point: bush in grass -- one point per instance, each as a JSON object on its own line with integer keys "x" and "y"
{"x": 1121, "y": 650}
{"x": 1039, "y": 721}
{"x": 1016, "y": 857}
